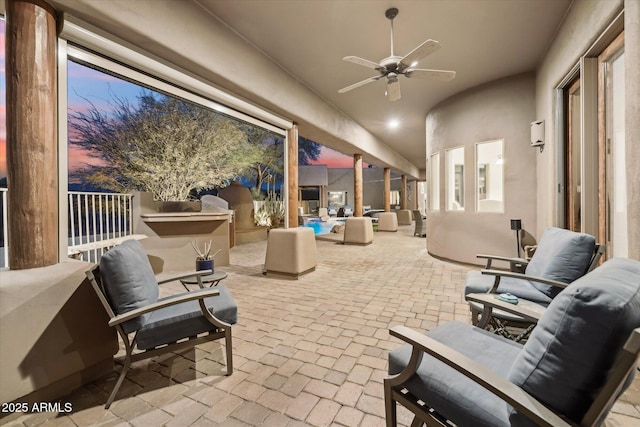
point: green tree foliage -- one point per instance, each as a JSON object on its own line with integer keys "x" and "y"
{"x": 162, "y": 145}
{"x": 269, "y": 152}
{"x": 308, "y": 151}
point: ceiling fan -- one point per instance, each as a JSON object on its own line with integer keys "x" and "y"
{"x": 393, "y": 66}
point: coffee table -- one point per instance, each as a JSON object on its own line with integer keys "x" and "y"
{"x": 211, "y": 279}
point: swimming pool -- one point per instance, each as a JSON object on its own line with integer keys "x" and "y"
{"x": 320, "y": 227}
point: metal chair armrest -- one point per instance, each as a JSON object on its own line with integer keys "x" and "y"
{"x": 510, "y": 260}
{"x": 178, "y": 299}
{"x": 500, "y": 273}
{"x": 509, "y": 392}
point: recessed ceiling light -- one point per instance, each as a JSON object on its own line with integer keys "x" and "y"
{"x": 393, "y": 124}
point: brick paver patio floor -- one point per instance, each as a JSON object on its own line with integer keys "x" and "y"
{"x": 311, "y": 351}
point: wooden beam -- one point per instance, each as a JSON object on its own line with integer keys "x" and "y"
{"x": 357, "y": 184}
{"x": 292, "y": 176}
{"x": 387, "y": 189}
{"x": 32, "y": 146}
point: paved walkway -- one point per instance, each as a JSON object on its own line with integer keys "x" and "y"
{"x": 306, "y": 352}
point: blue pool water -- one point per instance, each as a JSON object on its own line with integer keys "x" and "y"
{"x": 322, "y": 227}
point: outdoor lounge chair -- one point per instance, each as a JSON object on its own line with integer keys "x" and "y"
{"x": 421, "y": 225}
{"x": 561, "y": 257}
{"x": 576, "y": 363}
{"x": 128, "y": 290}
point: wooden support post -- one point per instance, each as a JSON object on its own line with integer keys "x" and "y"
{"x": 357, "y": 184}
{"x": 403, "y": 192}
{"x": 387, "y": 189}
{"x": 292, "y": 176}
{"x": 32, "y": 159}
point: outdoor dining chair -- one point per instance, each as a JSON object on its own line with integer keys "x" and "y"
{"x": 150, "y": 326}
{"x": 575, "y": 364}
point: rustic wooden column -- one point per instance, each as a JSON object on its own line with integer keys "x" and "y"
{"x": 403, "y": 192}
{"x": 357, "y": 184}
{"x": 387, "y": 189}
{"x": 31, "y": 134}
{"x": 292, "y": 176}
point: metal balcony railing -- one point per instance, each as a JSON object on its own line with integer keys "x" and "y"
{"x": 97, "y": 221}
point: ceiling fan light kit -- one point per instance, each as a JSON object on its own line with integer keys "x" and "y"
{"x": 391, "y": 67}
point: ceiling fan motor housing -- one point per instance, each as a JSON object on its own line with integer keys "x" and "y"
{"x": 391, "y": 13}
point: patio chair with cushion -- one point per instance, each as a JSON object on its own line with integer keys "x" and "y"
{"x": 561, "y": 257}
{"x": 576, "y": 363}
{"x": 150, "y": 326}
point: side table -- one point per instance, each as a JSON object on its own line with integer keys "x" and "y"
{"x": 211, "y": 279}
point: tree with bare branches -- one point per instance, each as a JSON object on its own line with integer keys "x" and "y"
{"x": 163, "y": 145}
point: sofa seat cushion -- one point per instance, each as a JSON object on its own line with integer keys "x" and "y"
{"x": 450, "y": 393}
{"x": 478, "y": 283}
{"x": 176, "y": 322}
{"x": 573, "y": 344}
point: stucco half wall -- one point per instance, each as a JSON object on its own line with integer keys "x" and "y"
{"x": 502, "y": 109}
{"x": 53, "y": 332}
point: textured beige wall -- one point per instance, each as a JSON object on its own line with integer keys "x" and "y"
{"x": 341, "y": 179}
{"x": 53, "y": 332}
{"x": 499, "y": 110}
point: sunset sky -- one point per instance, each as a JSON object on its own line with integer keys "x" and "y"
{"x": 90, "y": 86}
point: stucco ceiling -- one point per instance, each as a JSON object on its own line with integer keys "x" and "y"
{"x": 482, "y": 40}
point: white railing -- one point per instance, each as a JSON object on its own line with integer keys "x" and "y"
{"x": 4, "y": 258}
{"x": 97, "y": 221}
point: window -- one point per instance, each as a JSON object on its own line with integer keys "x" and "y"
{"x": 489, "y": 176}
{"x": 434, "y": 182}
{"x": 454, "y": 169}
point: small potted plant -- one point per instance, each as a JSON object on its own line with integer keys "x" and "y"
{"x": 204, "y": 260}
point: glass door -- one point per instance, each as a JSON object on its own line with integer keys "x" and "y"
{"x": 612, "y": 180}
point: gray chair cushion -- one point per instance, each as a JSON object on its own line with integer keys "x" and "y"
{"x": 477, "y": 282}
{"x": 562, "y": 255}
{"x": 129, "y": 281}
{"x": 564, "y": 362}
{"x": 452, "y": 394}
{"x": 180, "y": 321}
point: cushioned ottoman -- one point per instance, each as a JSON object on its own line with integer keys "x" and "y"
{"x": 291, "y": 252}
{"x": 405, "y": 217}
{"x": 358, "y": 231}
{"x": 387, "y": 221}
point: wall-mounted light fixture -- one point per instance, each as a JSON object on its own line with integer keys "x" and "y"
{"x": 537, "y": 134}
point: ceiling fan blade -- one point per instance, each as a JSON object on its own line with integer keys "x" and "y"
{"x": 441, "y": 75}
{"x": 363, "y": 62}
{"x": 426, "y": 48}
{"x": 362, "y": 83}
{"x": 393, "y": 89}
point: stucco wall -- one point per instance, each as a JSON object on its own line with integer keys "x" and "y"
{"x": 341, "y": 179}
{"x": 504, "y": 110}
{"x": 53, "y": 332}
